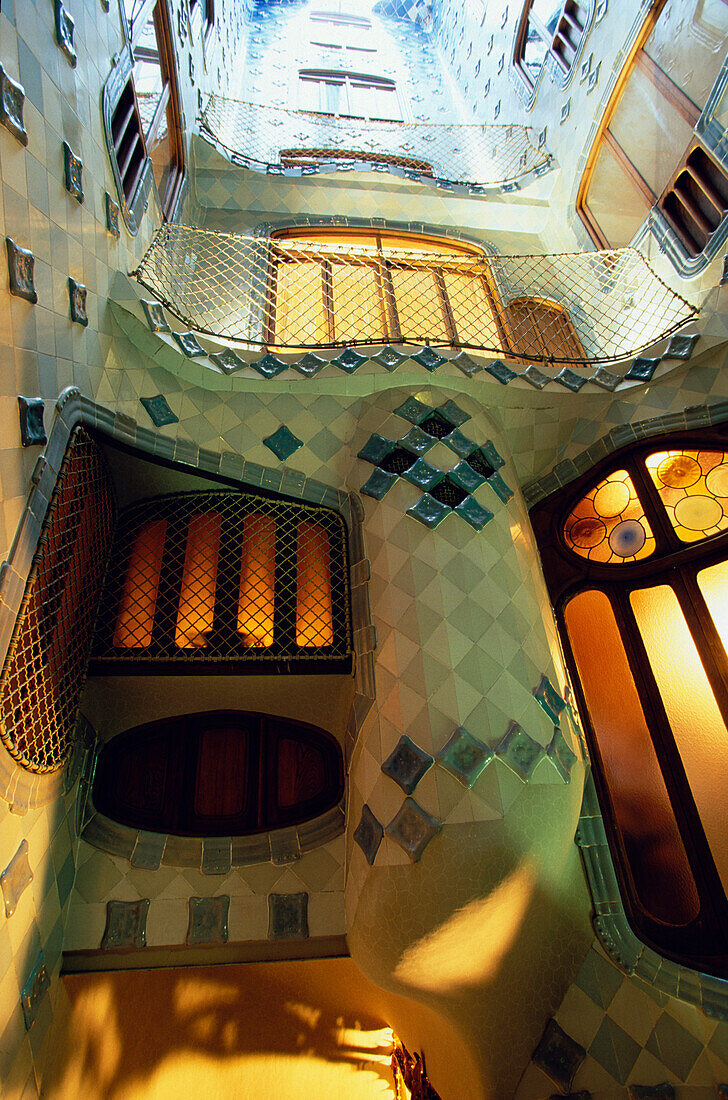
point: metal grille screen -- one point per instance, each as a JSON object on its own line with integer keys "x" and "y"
{"x": 225, "y": 577}
{"x": 46, "y": 663}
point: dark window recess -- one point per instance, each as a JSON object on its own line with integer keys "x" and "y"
{"x": 569, "y": 31}
{"x": 304, "y": 158}
{"x": 480, "y": 464}
{"x": 218, "y": 774}
{"x": 397, "y": 461}
{"x": 126, "y": 134}
{"x": 447, "y": 492}
{"x": 696, "y": 201}
{"x": 437, "y": 426}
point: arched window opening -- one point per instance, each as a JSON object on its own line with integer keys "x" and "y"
{"x": 635, "y": 556}
{"x": 552, "y": 28}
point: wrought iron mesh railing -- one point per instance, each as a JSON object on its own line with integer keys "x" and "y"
{"x": 46, "y": 662}
{"x": 224, "y": 577}
{"x": 269, "y": 139}
{"x": 592, "y": 307}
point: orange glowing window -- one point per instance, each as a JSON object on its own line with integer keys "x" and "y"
{"x": 693, "y": 487}
{"x": 314, "y": 614}
{"x": 256, "y": 603}
{"x": 196, "y": 610}
{"x": 141, "y": 588}
{"x": 609, "y": 523}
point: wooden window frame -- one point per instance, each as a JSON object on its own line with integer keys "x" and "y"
{"x": 555, "y": 42}
{"x": 702, "y": 943}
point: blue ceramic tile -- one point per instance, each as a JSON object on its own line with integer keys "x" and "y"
{"x": 32, "y": 428}
{"x": 154, "y": 313}
{"x": 309, "y": 365}
{"x": 376, "y": 448}
{"x": 159, "y": 410}
{"x": 681, "y": 347}
{"x": 112, "y": 216}
{"x": 465, "y": 476}
{"x": 208, "y": 920}
{"x": 227, "y": 361}
{"x": 12, "y": 100}
{"x": 561, "y": 755}
{"x": 558, "y": 1055}
{"x": 499, "y": 487}
{"x": 14, "y": 879}
{"x": 349, "y": 360}
{"x": 189, "y": 344}
{"x": 65, "y": 29}
{"x": 417, "y": 441}
{"x": 269, "y": 366}
{"x": 429, "y": 358}
{"x": 34, "y": 991}
{"x": 454, "y": 413}
{"x": 378, "y": 484}
{"x": 77, "y": 302}
{"x": 389, "y": 358}
{"x": 407, "y": 764}
{"x": 413, "y": 828}
{"x": 464, "y": 757}
{"x": 288, "y": 916}
{"x": 642, "y": 369}
{"x": 605, "y": 378}
{"x": 429, "y": 511}
{"x": 570, "y": 379}
{"x": 413, "y": 410}
{"x": 126, "y": 924}
{"x": 73, "y": 173}
{"x": 548, "y": 697}
{"x": 422, "y": 474}
{"x": 459, "y": 443}
{"x": 519, "y": 751}
{"x": 368, "y": 834}
{"x": 500, "y": 371}
{"x": 490, "y": 453}
{"x": 474, "y": 513}
{"x": 535, "y": 377}
{"x": 21, "y": 271}
{"x": 282, "y": 443}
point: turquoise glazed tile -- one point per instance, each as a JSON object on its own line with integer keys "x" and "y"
{"x": 32, "y": 428}
{"x": 665, "y": 1091}
{"x": 282, "y": 443}
{"x": 560, "y": 755}
{"x": 413, "y": 410}
{"x": 535, "y": 377}
{"x": 126, "y": 924}
{"x": 498, "y": 370}
{"x": 34, "y": 991}
{"x": 570, "y": 379}
{"x": 605, "y": 378}
{"x": 368, "y": 834}
{"x": 208, "y": 920}
{"x": 672, "y": 1045}
{"x": 548, "y": 697}
{"x": 227, "y": 361}
{"x": 519, "y": 751}
{"x": 389, "y": 358}
{"x": 466, "y": 477}
{"x": 269, "y": 366}
{"x": 499, "y": 487}
{"x": 422, "y": 474}
{"x": 73, "y": 173}
{"x": 159, "y": 410}
{"x": 376, "y": 449}
{"x": 614, "y": 1050}
{"x": 12, "y": 99}
{"x": 454, "y": 413}
{"x": 77, "y": 302}
{"x": 642, "y": 369}
{"x": 429, "y": 358}
{"x": 436, "y": 425}
{"x": 429, "y": 511}
{"x": 467, "y": 365}
{"x": 112, "y": 216}
{"x": 189, "y": 344}
{"x": 558, "y": 1055}
{"x": 14, "y": 879}
{"x": 680, "y": 347}
{"x": 413, "y": 829}
{"x": 489, "y": 452}
{"x": 288, "y": 916}
{"x": 378, "y": 484}
{"x": 349, "y": 360}
{"x": 407, "y": 764}
{"x": 474, "y": 513}
{"x": 464, "y": 757}
{"x": 417, "y": 441}
{"x": 21, "y": 271}
{"x": 459, "y": 443}
{"x": 154, "y": 313}
{"x": 309, "y": 365}
{"x": 65, "y": 29}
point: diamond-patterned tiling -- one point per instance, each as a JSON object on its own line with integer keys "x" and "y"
{"x": 413, "y": 828}
{"x": 208, "y": 920}
{"x": 159, "y": 410}
{"x": 560, "y": 755}
{"x": 288, "y": 916}
{"x": 126, "y": 924}
{"x": 642, "y": 370}
{"x": 519, "y": 751}
{"x": 558, "y": 1055}
{"x": 464, "y": 757}
{"x": 549, "y": 699}
{"x": 189, "y": 344}
{"x": 407, "y": 764}
{"x": 378, "y": 484}
{"x": 429, "y": 511}
{"x": 283, "y": 443}
{"x": 227, "y": 361}
{"x": 368, "y": 834}
{"x": 270, "y": 366}
{"x": 154, "y": 313}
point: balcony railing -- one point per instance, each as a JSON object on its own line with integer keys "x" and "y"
{"x": 472, "y": 158}
{"x": 592, "y": 307}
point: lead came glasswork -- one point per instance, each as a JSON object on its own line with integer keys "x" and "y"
{"x": 693, "y": 487}
{"x": 609, "y": 524}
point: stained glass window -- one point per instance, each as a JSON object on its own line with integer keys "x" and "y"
{"x": 609, "y": 524}
{"x": 693, "y": 487}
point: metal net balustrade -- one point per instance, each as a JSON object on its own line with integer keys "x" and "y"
{"x": 593, "y": 307}
{"x": 270, "y": 139}
{"x": 46, "y": 662}
{"x": 226, "y": 578}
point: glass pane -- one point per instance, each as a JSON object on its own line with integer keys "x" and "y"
{"x": 300, "y": 316}
{"x": 713, "y": 583}
{"x": 649, "y": 130}
{"x": 548, "y": 12}
{"x": 471, "y": 309}
{"x": 609, "y": 523}
{"x": 160, "y": 152}
{"x": 534, "y": 54}
{"x": 643, "y": 814}
{"x": 358, "y": 306}
{"x": 696, "y": 722}
{"x": 618, "y": 221}
{"x": 199, "y": 581}
{"x": 693, "y": 486}
{"x": 256, "y": 602}
{"x": 149, "y": 85}
{"x": 419, "y": 305}
{"x": 690, "y": 45}
{"x": 141, "y": 586}
{"x": 314, "y": 615}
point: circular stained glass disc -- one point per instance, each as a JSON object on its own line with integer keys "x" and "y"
{"x": 678, "y": 471}
{"x": 587, "y": 532}
{"x": 717, "y": 480}
{"x": 611, "y": 499}
{"x": 627, "y": 538}
{"x": 698, "y": 513}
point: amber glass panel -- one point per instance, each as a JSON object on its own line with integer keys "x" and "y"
{"x": 609, "y": 523}
{"x": 358, "y": 302}
{"x": 141, "y": 586}
{"x": 618, "y": 220}
{"x": 221, "y": 778}
{"x": 696, "y": 722}
{"x": 257, "y": 581}
{"x": 643, "y": 814}
{"x": 199, "y": 580}
{"x": 420, "y": 305}
{"x": 300, "y": 312}
{"x": 713, "y": 583}
{"x": 472, "y": 311}
{"x": 314, "y": 616}
{"x": 693, "y": 486}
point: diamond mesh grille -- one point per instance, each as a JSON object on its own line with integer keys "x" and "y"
{"x": 225, "y": 576}
{"x": 596, "y": 307}
{"x": 269, "y": 138}
{"x": 46, "y": 663}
